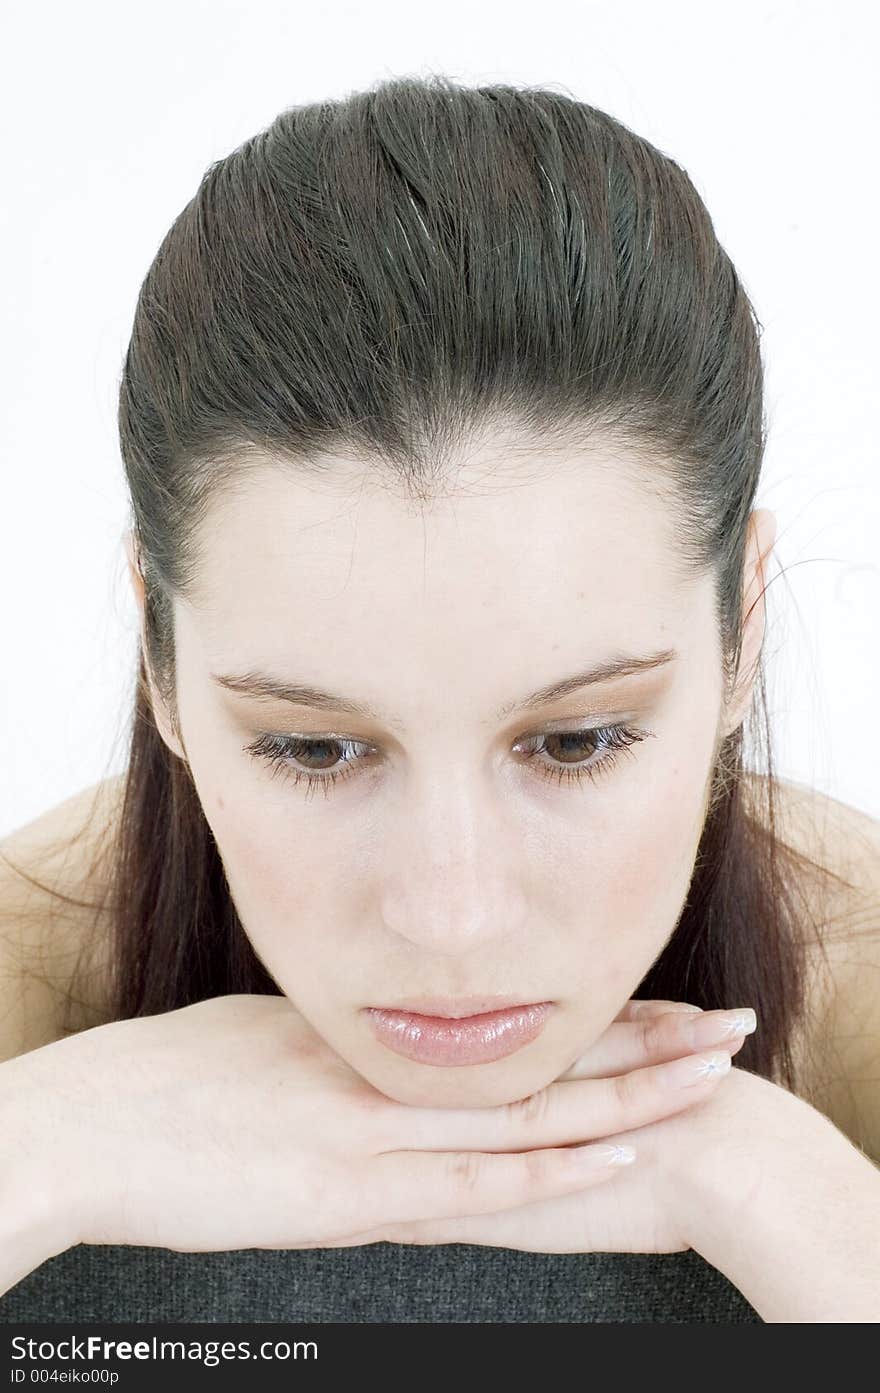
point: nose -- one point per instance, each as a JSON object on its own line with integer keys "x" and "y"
{"x": 453, "y": 911}
{"x": 454, "y": 884}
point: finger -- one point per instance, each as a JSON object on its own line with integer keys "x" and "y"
{"x": 583, "y": 1109}
{"x": 594, "y": 1222}
{"x": 468, "y": 1228}
{"x": 654, "y": 1039}
{"x": 419, "y": 1185}
{"x": 635, "y": 1009}
{"x": 501, "y": 1230}
{"x": 572, "y": 1111}
{"x": 493, "y": 1230}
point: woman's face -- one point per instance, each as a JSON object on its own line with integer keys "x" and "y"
{"x": 453, "y": 857}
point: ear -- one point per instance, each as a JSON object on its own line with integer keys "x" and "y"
{"x": 134, "y": 572}
{"x": 759, "y": 545}
{"x": 160, "y": 711}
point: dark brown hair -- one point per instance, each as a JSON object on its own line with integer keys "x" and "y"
{"x": 395, "y": 275}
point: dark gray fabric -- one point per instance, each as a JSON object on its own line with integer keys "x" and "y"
{"x": 375, "y": 1282}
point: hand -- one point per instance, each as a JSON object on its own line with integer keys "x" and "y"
{"x": 615, "y": 1086}
{"x": 231, "y": 1124}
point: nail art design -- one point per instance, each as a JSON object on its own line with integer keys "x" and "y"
{"x": 713, "y": 1064}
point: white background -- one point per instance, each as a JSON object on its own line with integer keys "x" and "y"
{"x": 111, "y": 113}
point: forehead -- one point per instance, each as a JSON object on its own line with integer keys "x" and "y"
{"x": 523, "y": 517}
{"x": 533, "y": 551}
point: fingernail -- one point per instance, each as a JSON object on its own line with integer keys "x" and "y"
{"x": 612, "y": 1155}
{"x": 683, "y": 1073}
{"x": 715, "y": 1027}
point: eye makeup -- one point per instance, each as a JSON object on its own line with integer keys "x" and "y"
{"x": 284, "y": 754}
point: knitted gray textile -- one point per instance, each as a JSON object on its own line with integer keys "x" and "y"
{"x": 383, "y": 1282}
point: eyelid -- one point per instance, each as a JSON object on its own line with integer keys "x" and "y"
{"x": 591, "y": 720}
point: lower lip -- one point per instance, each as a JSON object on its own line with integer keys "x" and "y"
{"x": 468, "y": 1040}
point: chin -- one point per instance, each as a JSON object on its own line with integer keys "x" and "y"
{"x": 470, "y": 1086}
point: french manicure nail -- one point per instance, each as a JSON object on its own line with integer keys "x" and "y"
{"x": 595, "y": 1156}
{"x": 683, "y": 1073}
{"x": 714, "y": 1028}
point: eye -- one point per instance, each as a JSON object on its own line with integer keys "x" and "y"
{"x": 284, "y": 754}
{"x": 612, "y": 742}
{"x": 279, "y": 752}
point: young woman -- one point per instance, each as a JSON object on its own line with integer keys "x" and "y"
{"x": 442, "y": 422}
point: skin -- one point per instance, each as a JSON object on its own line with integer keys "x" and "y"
{"x": 446, "y": 863}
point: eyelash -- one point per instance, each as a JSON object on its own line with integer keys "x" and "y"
{"x": 277, "y": 751}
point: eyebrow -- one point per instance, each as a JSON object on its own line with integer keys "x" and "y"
{"x": 264, "y": 685}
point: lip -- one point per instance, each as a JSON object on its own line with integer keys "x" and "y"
{"x": 454, "y": 1040}
{"x": 454, "y": 1007}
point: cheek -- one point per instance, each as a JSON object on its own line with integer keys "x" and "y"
{"x": 630, "y": 887}
{"x": 655, "y": 859}
{"x": 285, "y": 883}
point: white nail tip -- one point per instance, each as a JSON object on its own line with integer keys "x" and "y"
{"x": 713, "y": 1064}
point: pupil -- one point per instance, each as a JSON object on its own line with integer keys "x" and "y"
{"x": 312, "y": 751}
{"x": 577, "y": 740}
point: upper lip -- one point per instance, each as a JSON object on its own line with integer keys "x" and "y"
{"x": 455, "y": 1007}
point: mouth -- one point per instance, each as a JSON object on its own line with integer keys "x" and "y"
{"x": 455, "y": 1007}
{"x": 452, "y": 1040}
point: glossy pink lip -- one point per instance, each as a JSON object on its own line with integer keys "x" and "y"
{"x": 454, "y": 1007}
{"x": 449, "y": 1041}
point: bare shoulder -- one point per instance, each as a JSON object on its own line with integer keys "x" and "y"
{"x": 54, "y": 924}
{"x": 840, "y": 1048}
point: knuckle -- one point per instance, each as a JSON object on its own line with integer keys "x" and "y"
{"x": 465, "y": 1169}
{"x": 626, "y": 1089}
{"x": 537, "y": 1167}
{"x": 530, "y": 1112}
{"x": 654, "y": 1033}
